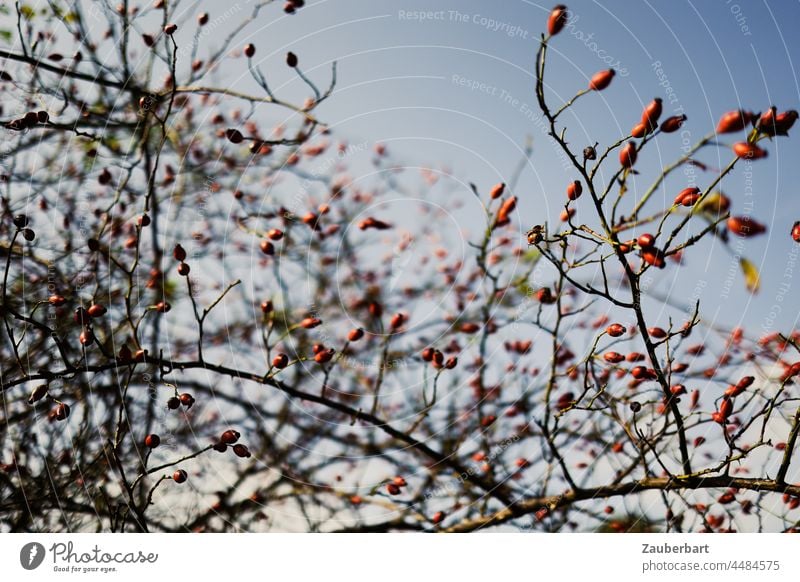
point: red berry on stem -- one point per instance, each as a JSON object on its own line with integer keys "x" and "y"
{"x": 601, "y": 80}
{"x": 725, "y": 407}
{"x": 37, "y": 394}
{"x": 497, "y": 191}
{"x": 615, "y": 330}
{"x": 505, "y": 210}
{"x": 646, "y": 241}
{"x": 81, "y": 316}
{"x": 62, "y": 411}
{"x": 672, "y": 124}
{"x": 749, "y": 151}
{"x": 151, "y": 441}
{"x": 688, "y": 196}
{"x": 86, "y": 336}
{"x": 627, "y": 246}
{"x": 733, "y": 121}
{"x": 545, "y": 296}
{"x": 234, "y": 136}
{"x": 57, "y": 300}
{"x": 640, "y": 130}
{"x": 557, "y": 19}
{"x": 766, "y": 123}
{"x": 398, "y": 319}
{"x": 677, "y": 389}
{"x": 96, "y": 310}
{"x": 654, "y": 257}
{"x": 267, "y": 248}
{"x": 745, "y": 226}
{"x": 310, "y": 323}
{"x": 651, "y": 114}
{"x": 574, "y": 190}
{"x": 784, "y": 122}
{"x": 627, "y": 155}
{"x": 179, "y": 253}
{"x": 179, "y": 476}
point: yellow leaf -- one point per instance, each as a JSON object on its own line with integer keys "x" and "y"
{"x": 751, "y": 276}
{"x": 715, "y": 204}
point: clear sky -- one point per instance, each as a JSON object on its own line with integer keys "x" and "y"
{"x": 449, "y": 83}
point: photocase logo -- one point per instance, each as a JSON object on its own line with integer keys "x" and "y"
{"x": 31, "y": 555}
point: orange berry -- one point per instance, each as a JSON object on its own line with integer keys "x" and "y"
{"x": 672, "y": 124}
{"x": 557, "y": 19}
{"x": 574, "y": 190}
{"x": 497, "y": 190}
{"x": 748, "y": 151}
{"x": 733, "y": 121}
{"x": 615, "y": 330}
{"x": 601, "y": 80}
{"x": 651, "y": 114}
{"x": 627, "y": 155}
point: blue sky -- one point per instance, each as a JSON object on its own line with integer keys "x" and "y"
{"x": 454, "y": 85}
{"x": 450, "y": 84}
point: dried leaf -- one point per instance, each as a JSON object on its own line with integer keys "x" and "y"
{"x": 752, "y": 278}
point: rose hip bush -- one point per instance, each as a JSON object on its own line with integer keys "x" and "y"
{"x": 213, "y": 322}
